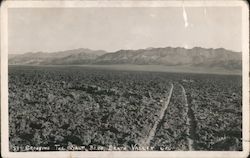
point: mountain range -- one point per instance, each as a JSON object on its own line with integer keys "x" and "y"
{"x": 168, "y": 56}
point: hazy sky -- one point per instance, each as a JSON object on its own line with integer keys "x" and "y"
{"x": 112, "y": 29}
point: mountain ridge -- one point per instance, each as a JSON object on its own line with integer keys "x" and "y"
{"x": 168, "y": 56}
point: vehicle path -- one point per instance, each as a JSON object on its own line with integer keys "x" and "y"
{"x": 147, "y": 140}
{"x": 186, "y": 106}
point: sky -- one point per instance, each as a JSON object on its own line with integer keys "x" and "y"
{"x": 112, "y": 29}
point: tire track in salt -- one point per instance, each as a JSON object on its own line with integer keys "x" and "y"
{"x": 147, "y": 140}
{"x": 189, "y": 133}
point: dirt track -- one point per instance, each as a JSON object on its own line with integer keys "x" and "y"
{"x": 186, "y": 106}
{"x": 147, "y": 140}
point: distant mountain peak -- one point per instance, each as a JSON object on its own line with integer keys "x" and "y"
{"x": 149, "y": 48}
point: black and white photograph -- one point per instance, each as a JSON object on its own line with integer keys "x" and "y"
{"x": 123, "y": 77}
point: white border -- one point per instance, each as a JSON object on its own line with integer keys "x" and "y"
{"x": 81, "y": 4}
